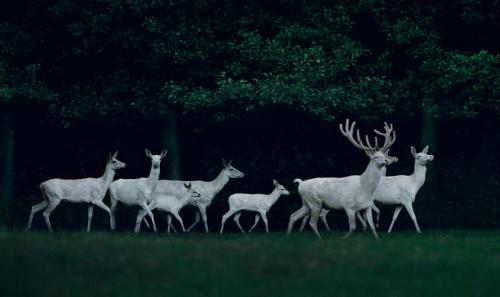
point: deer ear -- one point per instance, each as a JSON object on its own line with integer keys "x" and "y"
{"x": 426, "y": 149}
{"x": 115, "y": 154}
{"x": 164, "y": 153}
{"x": 148, "y": 153}
{"x": 275, "y": 182}
{"x": 413, "y": 151}
{"x": 224, "y": 163}
{"x": 230, "y": 161}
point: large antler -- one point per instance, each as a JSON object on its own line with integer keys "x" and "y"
{"x": 389, "y": 135}
{"x": 349, "y": 131}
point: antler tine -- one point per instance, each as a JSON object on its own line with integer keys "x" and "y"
{"x": 369, "y": 143}
{"x": 389, "y": 135}
{"x": 361, "y": 144}
{"x": 348, "y": 133}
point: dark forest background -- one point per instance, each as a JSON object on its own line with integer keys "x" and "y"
{"x": 263, "y": 82}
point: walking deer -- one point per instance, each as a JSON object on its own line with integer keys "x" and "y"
{"x": 169, "y": 204}
{"x": 207, "y": 189}
{"x": 352, "y": 193}
{"x": 137, "y": 191}
{"x": 399, "y": 190}
{"x": 260, "y": 203}
{"x": 86, "y": 190}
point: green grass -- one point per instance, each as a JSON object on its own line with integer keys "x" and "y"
{"x": 454, "y": 263}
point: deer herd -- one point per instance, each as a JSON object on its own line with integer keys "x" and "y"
{"x": 355, "y": 194}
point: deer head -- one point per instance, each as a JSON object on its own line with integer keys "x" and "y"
{"x": 380, "y": 155}
{"x": 280, "y": 188}
{"x": 230, "y": 171}
{"x": 422, "y": 158}
{"x": 114, "y": 162}
{"x": 192, "y": 192}
{"x": 156, "y": 159}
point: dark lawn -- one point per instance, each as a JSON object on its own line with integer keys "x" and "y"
{"x": 444, "y": 263}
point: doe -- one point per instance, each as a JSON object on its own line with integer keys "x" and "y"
{"x": 86, "y": 190}
{"x": 260, "y": 203}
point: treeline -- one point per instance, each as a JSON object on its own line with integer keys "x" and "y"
{"x": 264, "y": 82}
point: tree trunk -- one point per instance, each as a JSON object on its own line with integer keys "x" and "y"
{"x": 428, "y": 136}
{"x": 170, "y": 141}
{"x": 6, "y": 166}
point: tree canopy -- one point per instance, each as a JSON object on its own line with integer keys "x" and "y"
{"x": 368, "y": 58}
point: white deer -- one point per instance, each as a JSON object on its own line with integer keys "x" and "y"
{"x": 86, "y": 190}
{"x": 137, "y": 191}
{"x": 207, "y": 189}
{"x": 260, "y": 203}
{"x": 169, "y": 204}
{"x": 352, "y": 193}
{"x": 399, "y": 190}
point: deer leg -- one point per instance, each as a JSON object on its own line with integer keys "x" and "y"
{"x": 394, "y": 217}
{"x": 203, "y": 212}
{"x": 264, "y": 218}
{"x": 138, "y": 221}
{"x": 178, "y": 217}
{"x": 369, "y": 219}
{"x": 146, "y": 208}
{"x": 294, "y": 217}
{"x": 90, "y": 211}
{"x": 377, "y": 211}
{"x": 34, "y": 209}
{"x": 409, "y": 209}
{"x": 112, "y": 221}
{"x": 46, "y": 213}
{"x": 322, "y": 216}
{"x": 304, "y": 221}
{"x": 196, "y": 220}
{"x": 104, "y": 207}
{"x": 315, "y": 210}
{"x": 256, "y": 221}
{"x": 360, "y": 218}
{"x": 169, "y": 223}
{"x": 228, "y": 214}
{"x": 351, "y": 217}
{"x": 236, "y": 219}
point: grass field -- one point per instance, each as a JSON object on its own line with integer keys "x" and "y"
{"x": 451, "y": 263}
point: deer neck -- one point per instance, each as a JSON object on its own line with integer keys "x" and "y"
{"x": 274, "y": 196}
{"x": 371, "y": 176}
{"x": 109, "y": 175}
{"x": 154, "y": 176}
{"x": 219, "y": 182}
{"x": 419, "y": 173}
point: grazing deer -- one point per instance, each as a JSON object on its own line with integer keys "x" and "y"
{"x": 137, "y": 191}
{"x": 207, "y": 189}
{"x": 352, "y": 193}
{"x": 169, "y": 204}
{"x": 261, "y": 203}
{"x": 86, "y": 190}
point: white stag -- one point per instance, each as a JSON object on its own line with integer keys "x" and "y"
{"x": 207, "y": 189}
{"x": 260, "y": 203}
{"x": 169, "y": 204}
{"x": 137, "y": 191}
{"x": 86, "y": 190}
{"x": 352, "y": 193}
